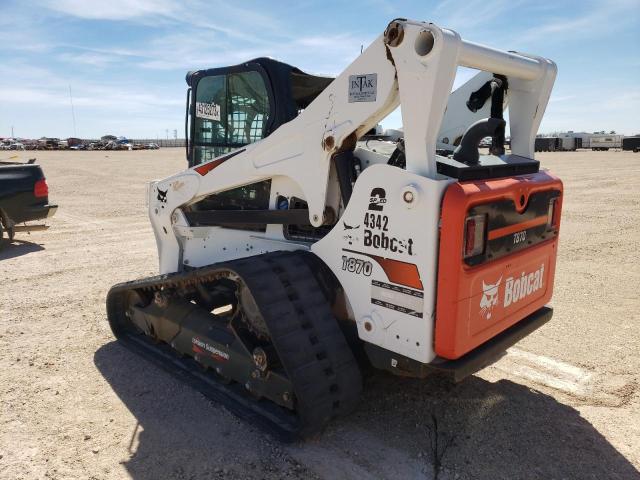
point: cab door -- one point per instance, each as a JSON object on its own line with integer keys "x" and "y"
{"x": 229, "y": 108}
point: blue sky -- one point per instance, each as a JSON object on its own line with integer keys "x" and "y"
{"x": 125, "y": 60}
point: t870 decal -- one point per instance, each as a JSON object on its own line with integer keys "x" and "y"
{"x": 356, "y": 265}
{"x": 397, "y": 271}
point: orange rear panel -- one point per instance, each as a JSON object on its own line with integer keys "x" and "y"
{"x": 475, "y": 302}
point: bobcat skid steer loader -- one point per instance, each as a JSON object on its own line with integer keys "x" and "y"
{"x": 287, "y": 249}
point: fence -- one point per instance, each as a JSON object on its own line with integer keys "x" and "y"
{"x": 178, "y": 142}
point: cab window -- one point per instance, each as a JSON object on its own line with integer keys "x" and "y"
{"x": 230, "y": 111}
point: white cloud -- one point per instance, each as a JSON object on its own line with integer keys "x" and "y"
{"x": 119, "y": 81}
{"x": 597, "y": 19}
{"x": 108, "y": 98}
{"x": 112, "y": 9}
{"x": 465, "y": 15}
{"x": 561, "y": 98}
{"x": 99, "y": 60}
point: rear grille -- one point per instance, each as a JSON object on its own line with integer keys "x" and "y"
{"x": 509, "y": 231}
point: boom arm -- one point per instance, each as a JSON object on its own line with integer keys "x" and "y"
{"x": 413, "y": 64}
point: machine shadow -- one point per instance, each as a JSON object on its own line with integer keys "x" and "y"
{"x": 17, "y": 248}
{"x": 501, "y": 430}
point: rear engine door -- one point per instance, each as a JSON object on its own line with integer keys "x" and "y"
{"x": 498, "y": 246}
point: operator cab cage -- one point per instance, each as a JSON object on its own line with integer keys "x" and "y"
{"x": 230, "y": 107}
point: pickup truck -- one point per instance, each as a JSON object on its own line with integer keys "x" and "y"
{"x": 24, "y": 197}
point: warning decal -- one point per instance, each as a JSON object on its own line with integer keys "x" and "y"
{"x": 395, "y": 297}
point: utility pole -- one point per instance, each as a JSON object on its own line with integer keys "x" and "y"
{"x": 73, "y": 113}
{"x": 12, "y": 132}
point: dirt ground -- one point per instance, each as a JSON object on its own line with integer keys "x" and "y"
{"x": 564, "y": 403}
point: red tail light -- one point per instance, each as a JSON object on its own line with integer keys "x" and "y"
{"x": 41, "y": 189}
{"x": 474, "y": 235}
{"x": 552, "y": 213}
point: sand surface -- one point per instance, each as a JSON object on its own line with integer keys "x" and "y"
{"x": 563, "y": 403}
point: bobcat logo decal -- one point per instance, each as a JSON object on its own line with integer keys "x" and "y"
{"x": 489, "y": 298}
{"x": 162, "y": 196}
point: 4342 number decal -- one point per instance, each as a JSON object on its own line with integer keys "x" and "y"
{"x": 356, "y": 265}
{"x": 376, "y": 221}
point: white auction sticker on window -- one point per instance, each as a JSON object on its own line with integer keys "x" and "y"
{"x": 209, "y": 111}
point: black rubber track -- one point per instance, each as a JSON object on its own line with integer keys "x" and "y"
{"x": 306, "y": 336}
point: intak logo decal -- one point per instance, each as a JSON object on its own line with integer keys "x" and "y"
{"x": 377, "y": 199}
{"x": 489, "y": 298}
{"x": 363, "y": 88}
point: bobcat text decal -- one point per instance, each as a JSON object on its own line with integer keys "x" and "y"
{"x": 515, "y": 290}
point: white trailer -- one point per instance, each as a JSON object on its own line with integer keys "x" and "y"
{"x": 605, "y": 142}
{"x": 582, "y": 139}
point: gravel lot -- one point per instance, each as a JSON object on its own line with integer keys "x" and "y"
{"x": 564, "y": 403}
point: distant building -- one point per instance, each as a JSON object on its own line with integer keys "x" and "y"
{"x": 583, "y": 136}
